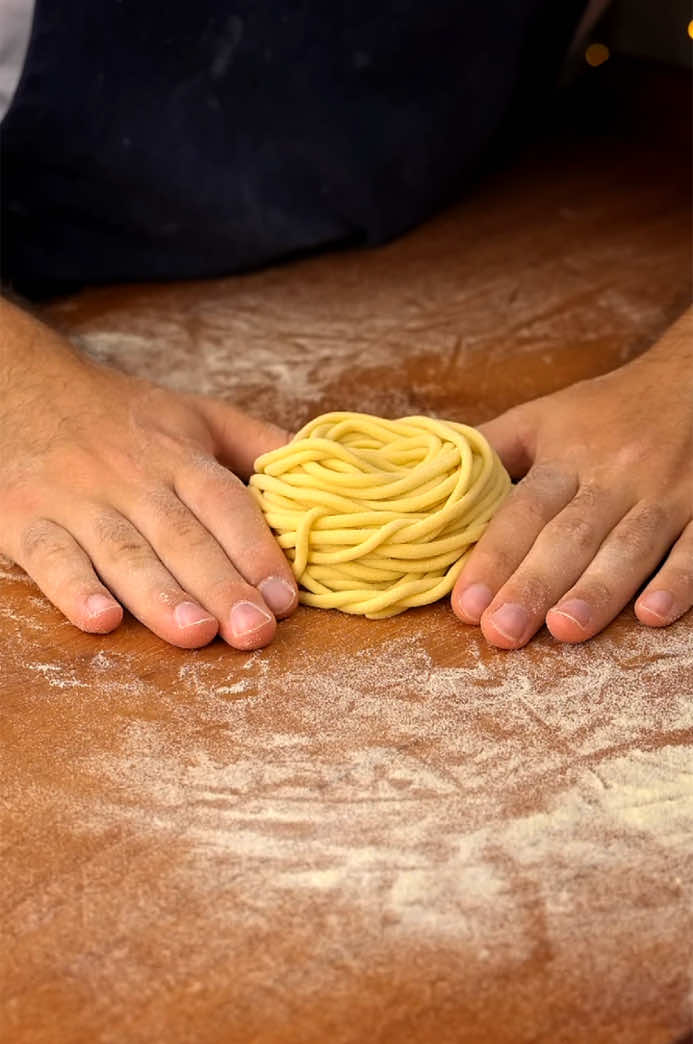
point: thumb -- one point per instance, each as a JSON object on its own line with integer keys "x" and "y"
{"x": 511, "y": 435}
{"x": 239, "y": 439}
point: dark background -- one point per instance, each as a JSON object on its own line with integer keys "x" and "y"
{"x": 648, "y": 28}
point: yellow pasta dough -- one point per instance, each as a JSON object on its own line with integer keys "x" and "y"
{"x": 379, "y": 515}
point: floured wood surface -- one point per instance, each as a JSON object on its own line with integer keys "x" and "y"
{"x": 371, "y": 831}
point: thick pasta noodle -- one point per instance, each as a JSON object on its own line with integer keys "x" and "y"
{"x": 379, "y": 515}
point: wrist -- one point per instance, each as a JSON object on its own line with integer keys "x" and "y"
{"x": 674, "y": 347}
{"x": 28, "y": 345}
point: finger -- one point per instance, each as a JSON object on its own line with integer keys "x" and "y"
{"x": 670, "y": 593}
{"x": 62, "y": 570}
{"x": 202, "y": 567}
{"x": 129, "y": 567}
{"x": 510, "y": 436}
{"x": 239, "y": 439}
{"x": 561, "y": 553}
{"x": 627, "y": 556}
{"x": 511, "y": 533}
{"x": 223, "y": 505}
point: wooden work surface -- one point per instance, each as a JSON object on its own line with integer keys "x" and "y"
{"x": 371, "y": 831}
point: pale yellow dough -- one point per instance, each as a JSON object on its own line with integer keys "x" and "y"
{"x": 379, "y": 515}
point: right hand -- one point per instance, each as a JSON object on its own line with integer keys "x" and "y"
{"x": 115, "y": 492}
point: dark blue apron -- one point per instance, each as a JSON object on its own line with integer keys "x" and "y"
{"x": 153, "y": 141}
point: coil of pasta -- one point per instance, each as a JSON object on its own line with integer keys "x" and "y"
{"x": 375, "y": 515}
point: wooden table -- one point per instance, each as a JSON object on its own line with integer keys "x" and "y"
{"x": 372, "y": 831}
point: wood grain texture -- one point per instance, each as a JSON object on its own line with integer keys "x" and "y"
{"x": 372, "y": 831}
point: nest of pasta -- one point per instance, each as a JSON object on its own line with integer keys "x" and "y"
{"x": 375, "y": 515}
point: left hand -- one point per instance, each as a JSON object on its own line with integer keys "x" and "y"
{"x": 607, "y": 495}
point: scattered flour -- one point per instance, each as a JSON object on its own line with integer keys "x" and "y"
{"x": 422, "y": 783}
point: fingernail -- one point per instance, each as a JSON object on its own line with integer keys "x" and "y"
{"x": 511, "y": 620}
{"x": 659, "y": 603}
{"x": 187, "y": 614}
{"x": 247, "y": 617}
{"x": 474, "y": 600}
{"x": 98, "y": 604}
{"x": 279, "y": 595}
{"x": 576, "y": 610}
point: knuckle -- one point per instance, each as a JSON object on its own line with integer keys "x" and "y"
{"x": 575, "y": 532}
{"x": 214, "y": 480}
{"x": 532, "y": 500}
{"x": 652, "y": 517}
{"x": 590, "y": 496}
{"x": 631, "y": 454}
{"x": 42, "y": 540}
{"x": 193, "y": 537}
{"x": 120, "y": 539}
{"x": 596, "y": 591}
{"x": 528, "y": 512}
{"x": 535, "y": 592}
{"x": 217, "y": 489}
{"x": 171, "y": 514}
{"x": 543, "y": 475}
{"x": 132, "y": 552}
{"x": 637, "y": 532}
{"x": 193, "y": 541}
{"x": 111, "y": 529}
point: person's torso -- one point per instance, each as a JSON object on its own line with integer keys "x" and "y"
{"x": 150, "y": 142}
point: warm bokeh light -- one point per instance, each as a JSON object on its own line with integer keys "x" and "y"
{"x": 596, "y": 54}
{"x": 690, "y": 29}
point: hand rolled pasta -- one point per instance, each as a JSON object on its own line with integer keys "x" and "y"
{"x": 379, "y": 515}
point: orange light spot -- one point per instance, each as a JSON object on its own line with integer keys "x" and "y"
{"x": 690, "y": 30}
{"x": 596, "y": 54}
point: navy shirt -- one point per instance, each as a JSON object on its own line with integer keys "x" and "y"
{"x": 180, "y": 140}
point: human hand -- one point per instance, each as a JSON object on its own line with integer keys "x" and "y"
{"x": 113, "y": 488}
{"x": 607, "y": 494}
